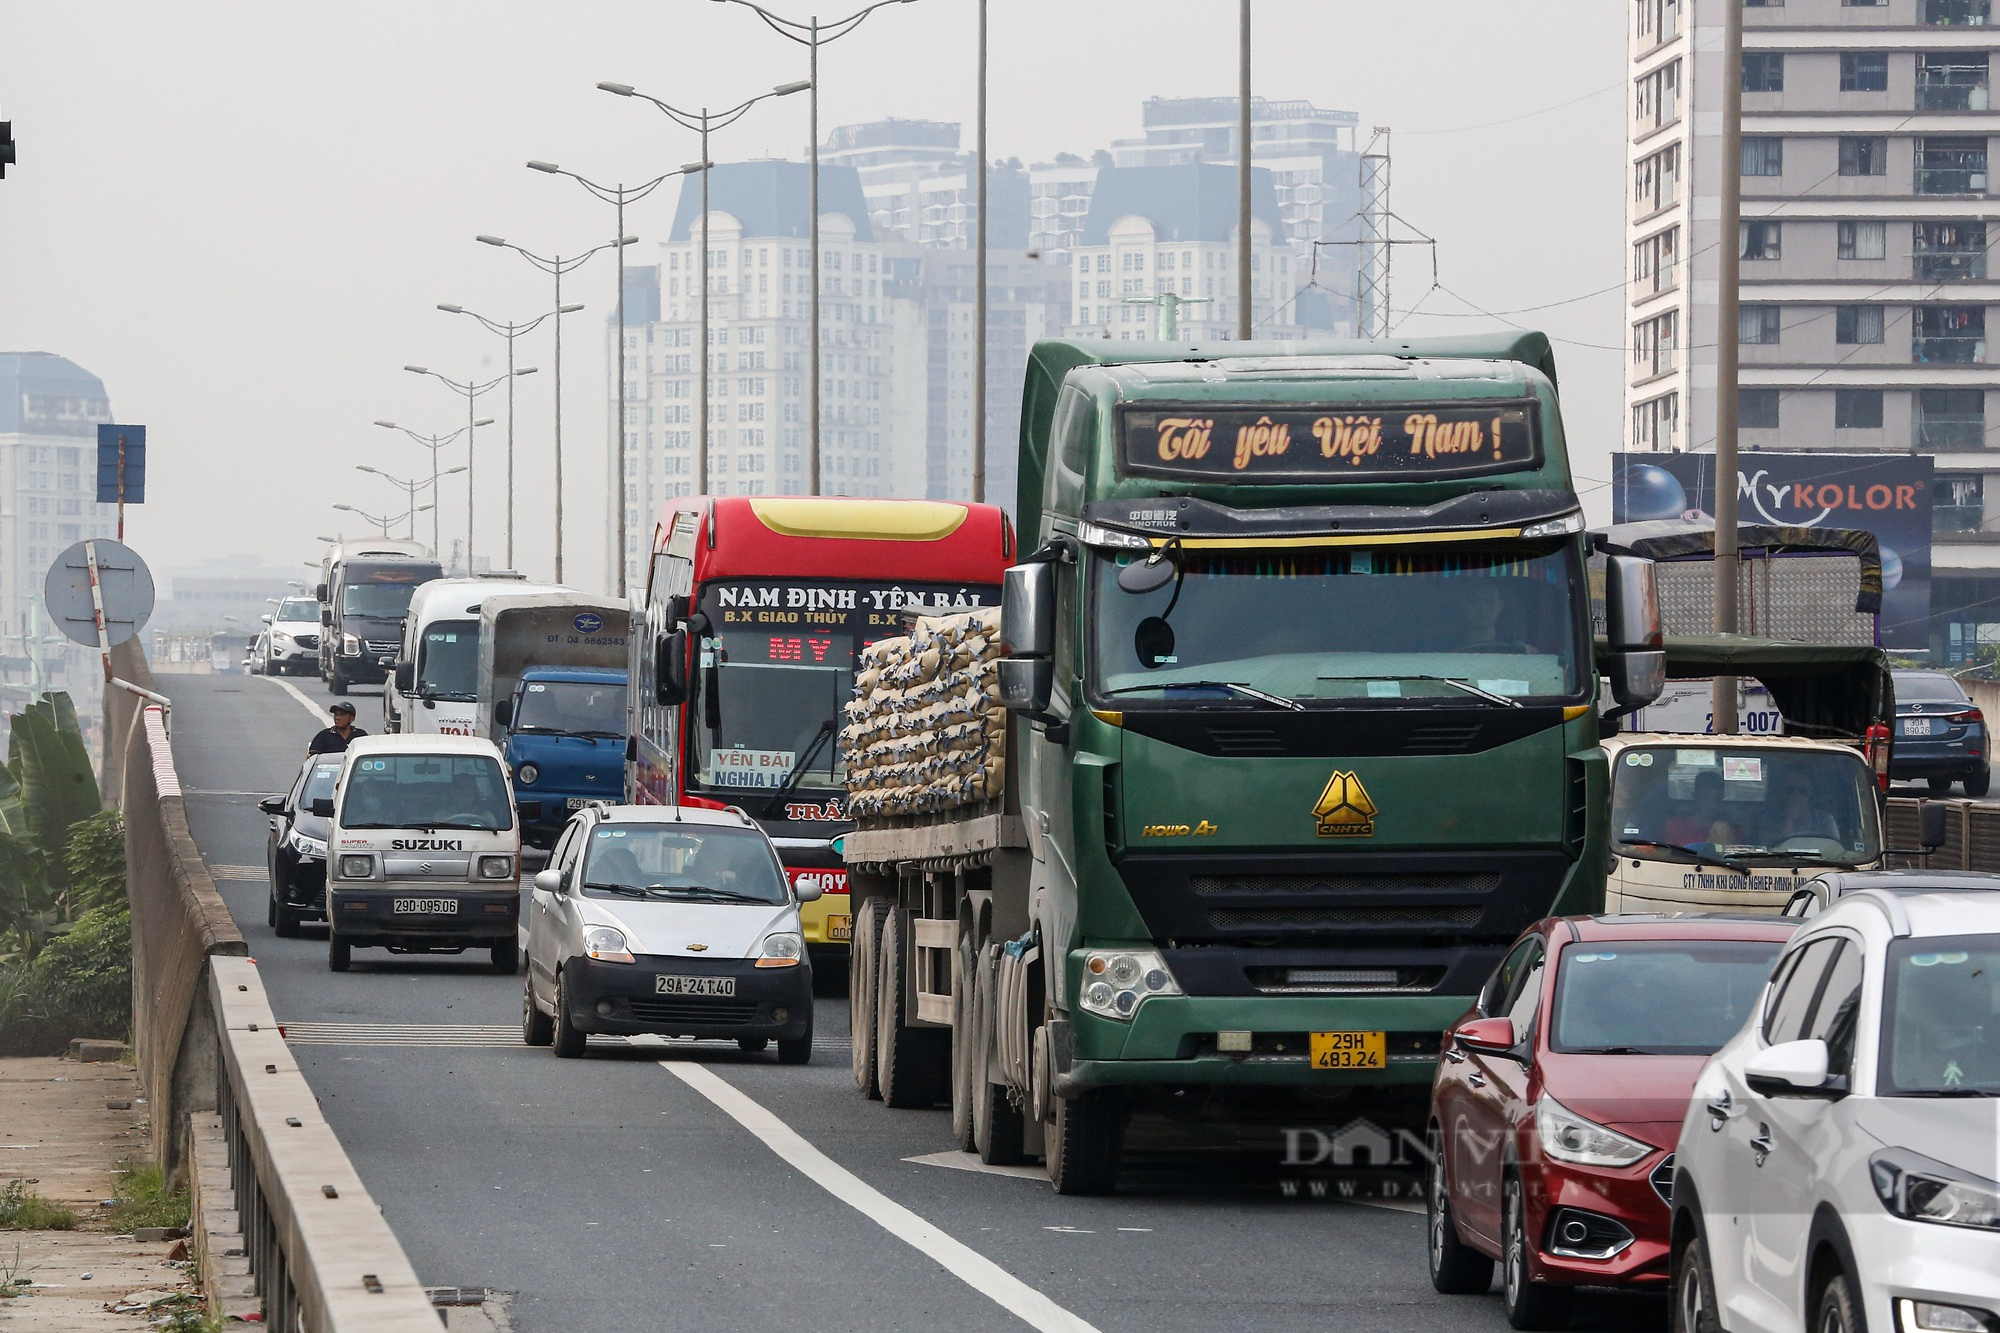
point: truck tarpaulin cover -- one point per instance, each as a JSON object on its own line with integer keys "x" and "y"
{"x": 1831, "y": 691}
{"x": 1886, "y": 494}
{"x": 1673, "y": 539}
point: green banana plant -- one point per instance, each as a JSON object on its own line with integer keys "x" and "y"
{"x": 47, "y": 786}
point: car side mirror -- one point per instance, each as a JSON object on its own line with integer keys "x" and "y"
{"x": 548, "y": 881}
{"x": 670, "y": 669}
{"x": 1494, "y": 1036}
{"x": 406, "y": 677}
{"x": 1791, "y": 1069}
{"x": 503, "y": 713}
{"x": 322, "y": 808}
{"x": 265, "y": 619}
{"x": 272, "y": 805}
{"x": 808, "y": 892}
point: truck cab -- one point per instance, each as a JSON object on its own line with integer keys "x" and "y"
{"x": 364, "y": 594}
{"x": 433, "y": 687}
{"x": 562, "y": 733}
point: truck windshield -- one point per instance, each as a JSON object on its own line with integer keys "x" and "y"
{"x": 376, "y": 601}
{"x": 1345, "y": 626}
{"x": 1657, "y": 997}
{"x": 573, "y": 707}
{"x": 427, "y": 791}
{"x": 685, "y": 861}
{"x": 1776, "y": 803}
{"x": 297, "y": 609}
{"x": 448, "y": 660}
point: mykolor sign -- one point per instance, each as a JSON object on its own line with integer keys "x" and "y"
{"x": 1403, "y": 442}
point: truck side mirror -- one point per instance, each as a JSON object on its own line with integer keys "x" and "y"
{"x": 1028, "y": 610}
{"x": 1027, "y": 684}
{"x": 503, "y": 713}
{"x": 1637, "y": 678}
{"x": 1631, "y": 605}
{"x": 322, "y": 808}
{"x": 1930, "y": 825}
{"x": 326, "y": 616}
{"x": 406, "y": 677}
{"x": 670, "y": 672}
{"x": 319, "y": 592}
{"x": 677, "y": 610}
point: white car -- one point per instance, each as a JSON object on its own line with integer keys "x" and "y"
{"x": 289, "y": 645}
{"x": 669, "y": 920}
{"x": 1839, "y": 1165}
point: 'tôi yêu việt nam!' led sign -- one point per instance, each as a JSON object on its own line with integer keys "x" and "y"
{"x": 1308, "y": 445}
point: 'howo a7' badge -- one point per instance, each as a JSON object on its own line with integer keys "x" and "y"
{"x": 1344, "y": 809}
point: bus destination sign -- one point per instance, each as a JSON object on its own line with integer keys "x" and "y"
{"x": 1276, "y": 443}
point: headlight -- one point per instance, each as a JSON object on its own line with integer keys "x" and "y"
{"x": 783, "y": 949}
{"x": 1930, "y": 1317}
{"x": 496, "y": 867}
{"x": 357, "y": 867}
{"x": 1568, "y": 1137}
{"x": 350, "y": 646}
{"x": 526, "y": 775}
{"x": 308, "y": 847}
{"x": 1115, "y": 982}
{"x": 606, "y": 944}
{"x": 1922, "y": 1189}
{"x": 1090, "y": 534}
{"x": 1555, "y": 527}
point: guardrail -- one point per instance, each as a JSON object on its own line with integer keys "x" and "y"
{"x": 1971, "y": 834}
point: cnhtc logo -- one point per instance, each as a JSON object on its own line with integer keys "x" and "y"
{"x": 588, "y": 623}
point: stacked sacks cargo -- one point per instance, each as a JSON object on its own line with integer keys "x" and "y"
{"x": 925, "y": 731}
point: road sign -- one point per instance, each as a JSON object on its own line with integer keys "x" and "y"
{"x": 121, "y": 449}
{"x": 124, "y": 583}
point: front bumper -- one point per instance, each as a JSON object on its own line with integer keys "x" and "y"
{"x": 302, "y": 884}
{"x": 365, "y": 916}
{"x": 1900, "y": 1259}
{"x": 624, "y": 998}
{"x": 1626, "y": 1196}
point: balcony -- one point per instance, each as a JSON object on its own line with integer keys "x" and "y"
{"x": 1950, "y": 433}
{"x": 1953, "y": 170}
{"x": 1957, "y": 517}
{"x": 1947, "y": 350}
{"x": 1957, "y": 13}
{"x": 1949, "y": 252}
{"x": 1948, "y": 84}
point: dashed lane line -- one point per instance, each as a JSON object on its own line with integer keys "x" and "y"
{"x": 317, "y": 710}
{"x": 960, "y": 1260}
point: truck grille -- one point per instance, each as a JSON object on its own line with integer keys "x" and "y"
{"x": 384, "y": 646}
{"x": 1345, "y": 980}
{"x": 1210, "y": 886}
{"x": 1320, "y": 918}
{"x": 695, "y": 1012}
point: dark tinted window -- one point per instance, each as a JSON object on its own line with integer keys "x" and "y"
{"x": 1658, "y": 997}
{"x": 448, "y": 660}
{"x": 1941, "y": 1016}
{"x": 1927, "y": 687}
{"x": 1791, "y": 1003}
{"x": 1499, "y": 986}
{"x": 1839, "y": 1004}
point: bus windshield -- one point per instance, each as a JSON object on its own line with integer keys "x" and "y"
{"x": 1773, "y": 804}
{"x": 448, "y": 660}
{"x": 376, "y": 601}
{"x": 1490, "y": 624}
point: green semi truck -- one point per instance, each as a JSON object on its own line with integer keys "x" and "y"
{"x": 1302, "y": 727}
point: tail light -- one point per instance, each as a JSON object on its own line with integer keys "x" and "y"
{"x": 1968, "y": 717}
{"x": 1877, "y": 747}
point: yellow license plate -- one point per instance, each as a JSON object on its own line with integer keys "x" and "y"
{"x": 1350, "y": 1050}
{"x": 840, "y": 927}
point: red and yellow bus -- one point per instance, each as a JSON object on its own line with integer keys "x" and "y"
{"x": 755, "y": 610}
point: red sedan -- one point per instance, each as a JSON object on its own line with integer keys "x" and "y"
{"x": 1560, "y": 1096}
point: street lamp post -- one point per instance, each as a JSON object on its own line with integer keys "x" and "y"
{"x": 432, "y": 443}
{"x": 557, "y": 266}
{"x": 410, "y": 485}
{"x": 382, "y": 521}
{"x": 1243, "y": 289}
{"x": 471, "y": 389}
{"x": 620, "y": 195}
{"x": 702, "y": 122}
{"x": 509, "y": 331}
{"x": 812, "y": 34}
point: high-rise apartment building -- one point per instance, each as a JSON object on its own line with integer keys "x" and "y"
{"x": 1866, "y": 210}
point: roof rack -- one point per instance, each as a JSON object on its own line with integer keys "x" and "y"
{"x": 1892, "y": 907}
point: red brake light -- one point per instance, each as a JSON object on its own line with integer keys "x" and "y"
{"x": 1970, "y": 715}
{"x": 1877, "y": 747}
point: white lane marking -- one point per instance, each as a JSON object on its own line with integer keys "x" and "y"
{"x": 960, "y": 1260}
{"x": 317, "y": 710}
{"x": 969, "y": 1161}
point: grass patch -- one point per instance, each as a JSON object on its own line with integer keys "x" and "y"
{"x": 21, "y": 1209}
{"x": 143, "y": 1199}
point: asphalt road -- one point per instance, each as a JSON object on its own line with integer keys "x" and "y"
{"x": 779, "y": 1198}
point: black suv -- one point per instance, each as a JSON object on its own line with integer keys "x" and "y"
{"x": 1940, "y": 735}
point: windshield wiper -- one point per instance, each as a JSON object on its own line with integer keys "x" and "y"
{"x": 1498, "y": 700}
{"x": 1249, "y": 691}
{"x": 633, "y": 890}
{"x": 723, "y": 895}
{"x": 472, "y": 828}
{"x": 1717, "y": 857}
{"x": 793, "y": 778}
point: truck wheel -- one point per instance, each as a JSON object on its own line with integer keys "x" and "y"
{"x": 506, "y": 958}
{"x": 863, "y": 953}
{"x": 569, "y": 1039}
{"x": 912, "y": 1065}
{"x": 997, "y": 1131}
{"x": 338, "y": 953}
{"x": 537, "y": 1028}
{"x": 966, "y": 1077}
{"x": 335, "y": 682}
{"x": 1086, "y": 1142}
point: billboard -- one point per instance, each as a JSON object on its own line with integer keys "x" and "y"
{"x": 1886, "y": 494}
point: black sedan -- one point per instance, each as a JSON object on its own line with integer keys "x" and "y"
{"x": 295, "y": 852}
{"x": 1940, "y": 735}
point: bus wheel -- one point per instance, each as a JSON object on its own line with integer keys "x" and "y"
{"x": 1086, "y": 1142}
{"x": 912, "y": 1064}
{"x": 861, "y": 959}
{"x": 997, "y": 1130}
{"x": 966, "y": 1077}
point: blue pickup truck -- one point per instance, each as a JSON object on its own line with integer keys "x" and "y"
{"x": 564, "y": 740}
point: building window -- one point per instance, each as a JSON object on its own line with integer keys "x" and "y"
{"x": 1951, "y": 166}
{"x": 1864, "y": 71}
{"x": 1763, "y": 155}
{"x": 1757, "y": 409}
{"x": 1957, "y": 13}
{"x": 1853, "y": 324}
{"x": 1864, "y": 4}
{"x": 1949, "y": 251}
{"x": 1860, "y": 240}
{"x": 1949, "y": 334}
{"x": 1763, "y": 71}
{"x": 1757, "y": 324}
{"x": 1656, "y": 423}
{"x": 1957, "y": 504}
{"x": 1864, "y": 155}
{"x": 1656, "y": 344}
{"x": 1656, "y": 180}
{"x": 1762, "y": 240}
{"x": 1655, "y": 262}
{"x": 1857, "y": 409}
{"x": 1658, "y": 20}
{"x": 1657, "y": 96}
{"x": 1951, "y": 419}
{"x": 1955, "y": 81}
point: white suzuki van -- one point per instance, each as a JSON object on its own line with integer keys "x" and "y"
{"x": 423, "y": 850}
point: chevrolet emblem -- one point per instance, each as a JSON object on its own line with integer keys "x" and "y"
{"x": 1344, "y": 810}
{"x": 697, "y": 948}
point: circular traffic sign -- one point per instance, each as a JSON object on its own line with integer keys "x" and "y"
{"x": 124, "y": 582}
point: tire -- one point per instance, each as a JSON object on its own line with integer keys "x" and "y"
{"x": 1836, "y": 1310}
{"x": 864, "y": 950}
{"x": 752, "y": 1045}
{"x": 1979, "y": 783}
{"x": 568, "y": 1039}
{"x": 1456, "y": 1268}
{"x": 1938, "y": 786}
{"x": 796, "y": 1050}
{"x": 1086, "y": 1142}
{"x": 912, "y": 1065}
{"x": 336, "y": 683}
{"x": 1691, "y": 1292}
{"x": 506, "y": 958}
{"x": 966, "y": 1076}
{"x": 287, "y": 924}
{"x": 339, "y": 953}
{"x": 271, "y": 907}
{"x": 998, "y": 1131}
{"x": 537, "y": 1028}
{"x": 1529, "y": 1304}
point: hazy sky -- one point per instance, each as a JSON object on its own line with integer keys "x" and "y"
{"x": 241, "y": 216}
